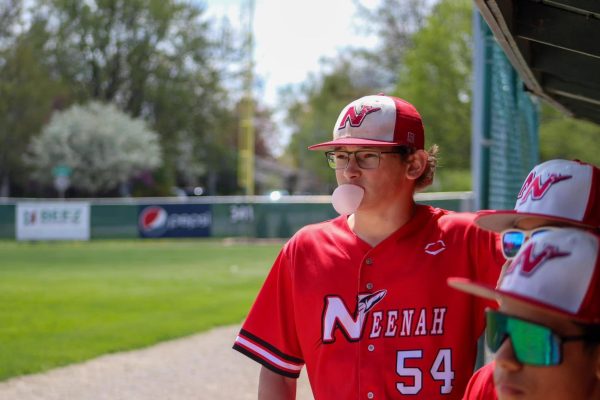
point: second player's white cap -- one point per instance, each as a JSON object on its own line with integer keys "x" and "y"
{"x": 560, "y": 190}
{"x": 558, "y": 271}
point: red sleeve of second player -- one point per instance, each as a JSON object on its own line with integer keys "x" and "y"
{"x": 489, "y": 260}
{"x": 268, "y": 335}
{"x": 481, "y": 385}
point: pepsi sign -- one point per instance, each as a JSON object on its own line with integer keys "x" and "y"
{"x": 175, "y": 220}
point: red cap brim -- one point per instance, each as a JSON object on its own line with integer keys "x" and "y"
{"x": 489, "y": 292}
{"x": 352, "y": 142}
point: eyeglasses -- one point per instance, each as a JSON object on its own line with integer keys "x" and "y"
{"x": 513, "y": 239}
{"x": 366, "y": 159}
{"x": 533, "y": 344}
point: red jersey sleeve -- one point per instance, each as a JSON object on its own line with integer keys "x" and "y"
{"x": 481, "y": 384}
{"x": 488, "y": 256}
{"x": 484, "y": 263}
{"x": 268, "y": 334}
{"x": 488, "y": 261}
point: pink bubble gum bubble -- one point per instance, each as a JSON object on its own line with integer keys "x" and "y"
{"x": 346, "y": 198}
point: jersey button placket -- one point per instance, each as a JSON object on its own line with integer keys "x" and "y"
{"x": 369, "y": 262}
{"x": 367, "y": 357}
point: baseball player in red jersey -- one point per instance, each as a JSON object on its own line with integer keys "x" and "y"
{"x": 362, "y": 299}
{"x": 555, "y": 193}
{"x": 546, "y": 331}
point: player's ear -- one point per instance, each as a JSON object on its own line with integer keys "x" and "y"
{"x": 416, "y": 164}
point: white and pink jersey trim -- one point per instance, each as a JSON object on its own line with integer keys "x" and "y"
{"x": 268, "y": 355}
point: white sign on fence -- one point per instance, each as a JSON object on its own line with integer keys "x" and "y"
{"x": 53, "y": 221}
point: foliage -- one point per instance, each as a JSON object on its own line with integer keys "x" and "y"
{"x": 313, "y": 112}
{"x": 153, "y": 58}
{"x": 27, "y": 94}
{"x": 393, "y": 23}
{"x": 62, "y": 303}
{"x": 425, "y": 49}
{"x": 567, "y": 138}
{"x": 435, "y": 77}
{"x": 451, "y": 180}
{"x": 103, "y": 147}
{"x": 9, "y": 13}
{"x": 160, "y": 60}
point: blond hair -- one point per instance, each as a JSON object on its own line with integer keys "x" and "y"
{"x": 426, "y": 177}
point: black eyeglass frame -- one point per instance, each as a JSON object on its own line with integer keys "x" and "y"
{"x": 332, "y": 165}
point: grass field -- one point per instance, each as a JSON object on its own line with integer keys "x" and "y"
{"x": 65, "y": 302}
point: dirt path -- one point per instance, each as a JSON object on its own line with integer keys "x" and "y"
{"x": 197, "y": 367}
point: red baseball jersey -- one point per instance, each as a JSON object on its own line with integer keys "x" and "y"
{"x": 481, "y": 384}
{"x": 375, "y": 322}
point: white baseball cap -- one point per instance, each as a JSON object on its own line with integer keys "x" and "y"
{"x": 558, "y": 271}
{"x": 560, "y": 190}
{"x": 377, "y": 120}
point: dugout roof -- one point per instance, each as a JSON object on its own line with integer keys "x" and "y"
{"x": 555, "y": 47}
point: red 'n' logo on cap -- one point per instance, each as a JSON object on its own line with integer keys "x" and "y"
{"x": 529, "y": 261}
{"x": 354, "y": 118}
{"x": 535, "y": 188}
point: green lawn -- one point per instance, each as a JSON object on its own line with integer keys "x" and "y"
{"x": 63, "y": 302}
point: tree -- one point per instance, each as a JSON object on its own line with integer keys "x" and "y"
{"x": 313, "y": 111}
{"x": 9, "y": 13}
{"x": 436, "y": 78}
{"x": 101, "y": 145}
{"x": 27, "y": 96}
{"x": 156, "y": 59}
{"x": 567, "y": 138}
{"x": 393, "y": 23}
{"x": 425, "y": 53}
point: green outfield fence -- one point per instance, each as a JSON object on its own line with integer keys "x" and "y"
{"x": 236, "y": 216}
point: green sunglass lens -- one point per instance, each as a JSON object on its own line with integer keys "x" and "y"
{"x": 495, "y": 330}
{"x": 533, "y": 344}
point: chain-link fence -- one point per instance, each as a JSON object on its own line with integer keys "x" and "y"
{"x": 505, "y": 124}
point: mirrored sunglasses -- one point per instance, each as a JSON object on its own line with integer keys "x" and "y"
{"x": 533, "y": 344}
{"x": 514, "y": 238}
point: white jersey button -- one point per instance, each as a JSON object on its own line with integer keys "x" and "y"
{"x": 371, "y": 395}
{"x": 369, "y": 286}
{"x": 371, "y": 347}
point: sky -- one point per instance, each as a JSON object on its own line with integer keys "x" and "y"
{"x": 292, "y": 36}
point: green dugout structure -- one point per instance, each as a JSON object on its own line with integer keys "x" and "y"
{"x": 504, "y": 121}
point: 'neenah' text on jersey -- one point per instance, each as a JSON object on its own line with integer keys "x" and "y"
{"x": 378, "y": 323}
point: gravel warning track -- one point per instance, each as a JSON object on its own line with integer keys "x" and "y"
{"x": 202, "y": 366}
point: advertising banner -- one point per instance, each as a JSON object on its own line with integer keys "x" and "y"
{"x": 52, "y": 221}
{"x": 175, "y": 220}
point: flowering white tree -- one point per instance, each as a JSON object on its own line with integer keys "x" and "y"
{"x": 102, "y": 146}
